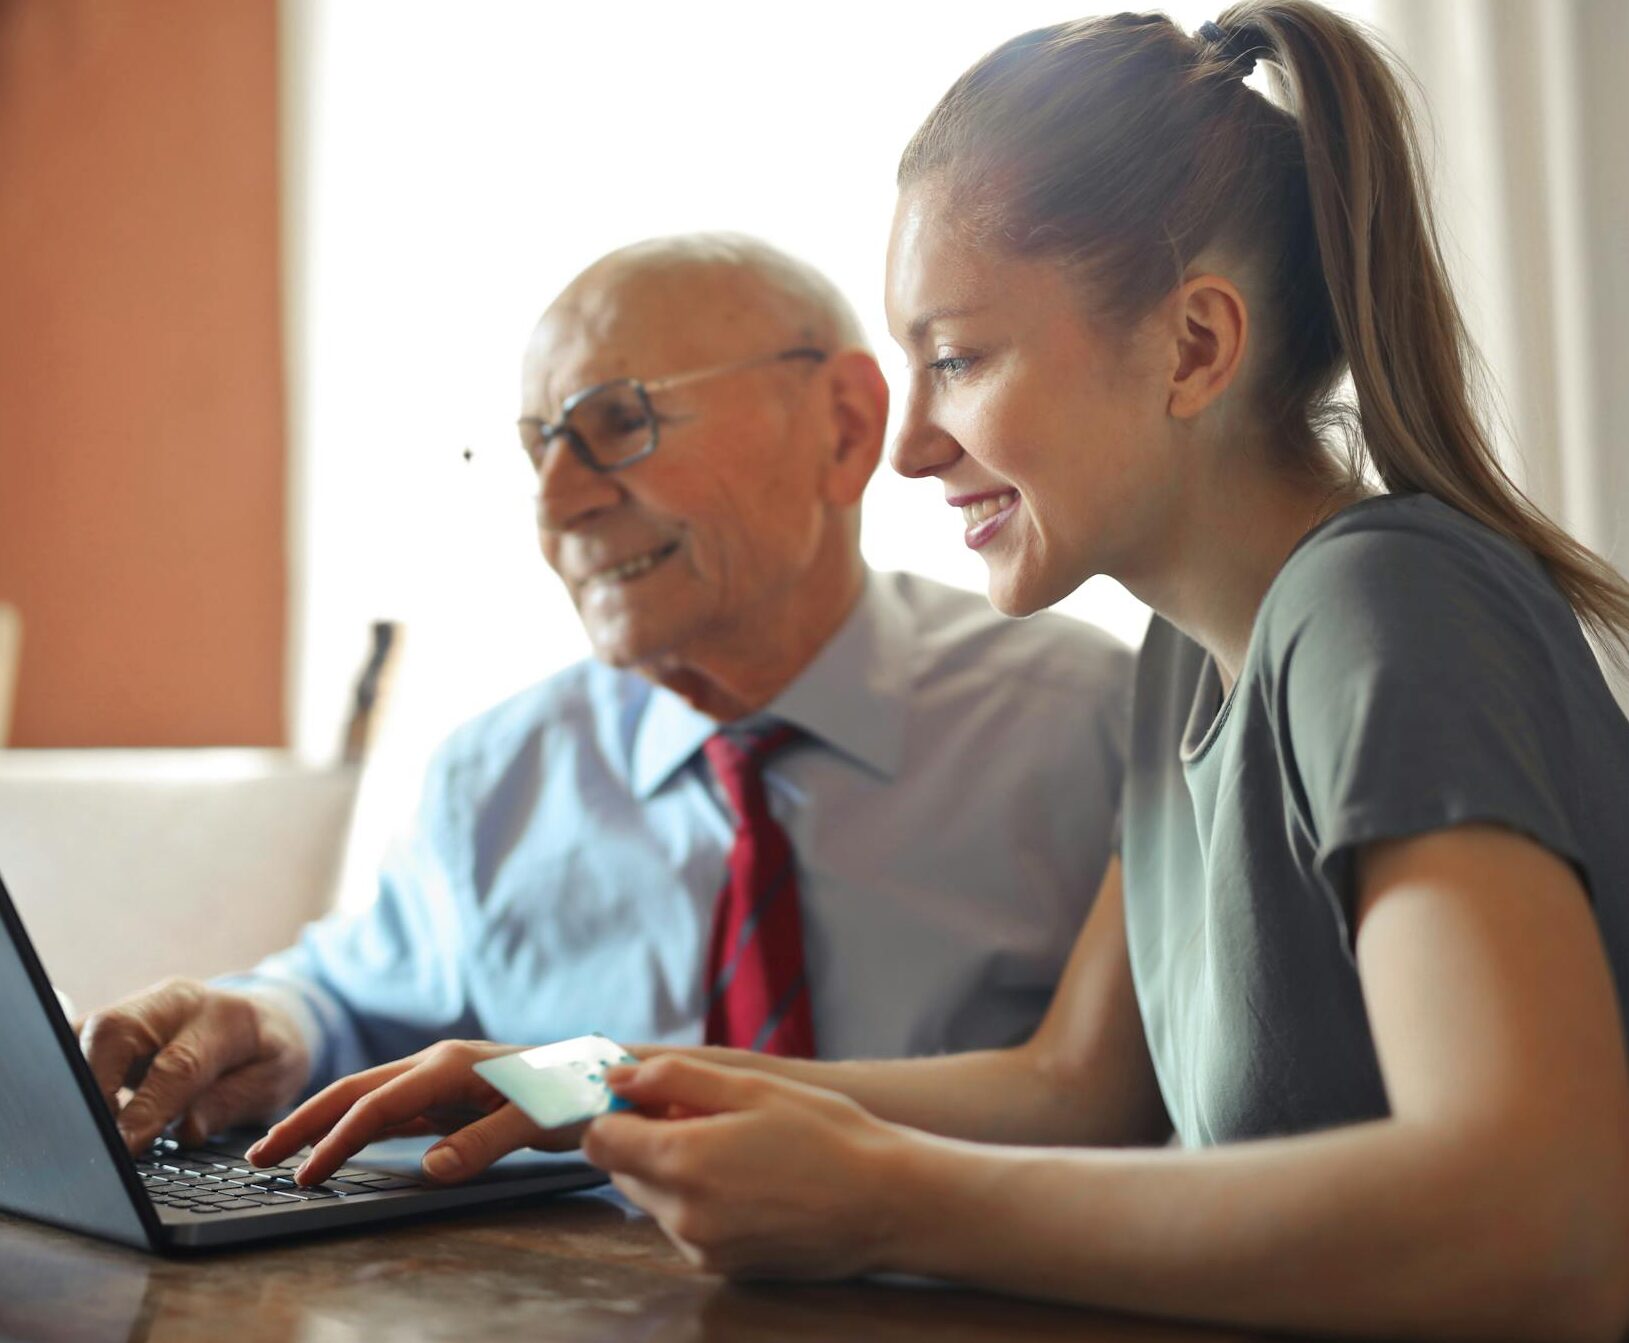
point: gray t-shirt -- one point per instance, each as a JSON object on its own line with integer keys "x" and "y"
{"x": 1409, "y": 670}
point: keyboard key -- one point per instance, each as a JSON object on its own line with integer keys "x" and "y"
{"x": 348, "y": 1187}
{"x": 377, "y": 1180}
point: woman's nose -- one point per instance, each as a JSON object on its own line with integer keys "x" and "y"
{"x": 921, "y": 447}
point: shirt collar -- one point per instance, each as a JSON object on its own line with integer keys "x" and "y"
{"x": 853, "y": 696}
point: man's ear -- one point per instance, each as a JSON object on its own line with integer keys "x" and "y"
{"x": 1210, "y": 326}
{"x": 859, "y": 411}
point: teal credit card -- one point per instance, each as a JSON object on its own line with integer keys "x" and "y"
{"x": 561, "y": 1084}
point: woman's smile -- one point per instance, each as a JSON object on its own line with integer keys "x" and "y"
{"x": 985, "y": 514}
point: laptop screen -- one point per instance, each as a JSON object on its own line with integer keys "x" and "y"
{"x": 58, "y": 1146}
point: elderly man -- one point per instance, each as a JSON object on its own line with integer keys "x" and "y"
{"x": 790, "y": 805}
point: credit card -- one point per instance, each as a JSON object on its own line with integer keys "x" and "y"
{"x": 560, "y": 1084}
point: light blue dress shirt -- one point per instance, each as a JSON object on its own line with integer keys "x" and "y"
{"x": 951, "y": 811}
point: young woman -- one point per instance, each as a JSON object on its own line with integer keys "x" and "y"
{"x": 1366, "y": 944}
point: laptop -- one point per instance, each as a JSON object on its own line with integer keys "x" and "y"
{"x": 62, "y": 1160}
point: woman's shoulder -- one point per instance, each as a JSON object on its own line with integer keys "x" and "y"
{"x": 1402, "y": 570}
{"x": 1416, "y": 537}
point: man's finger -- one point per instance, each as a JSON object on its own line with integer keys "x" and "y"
{"x": 476, "y": 1146}
{"x": 118, "y": 1041}
{"x": 111, "y": 1044}
{"x": 118, "y": 1045}
{"x": 309, "y": 1121}
{"x": 182, "y": 1070}
{"x": 237, "y": 1095}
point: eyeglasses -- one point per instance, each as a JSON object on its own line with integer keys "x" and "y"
{"x": 612, "y": 424}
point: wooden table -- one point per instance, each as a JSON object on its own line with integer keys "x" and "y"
{"x": 583, "y": 1266}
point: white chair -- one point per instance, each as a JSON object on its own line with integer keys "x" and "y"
{"x": 127, "y": 866}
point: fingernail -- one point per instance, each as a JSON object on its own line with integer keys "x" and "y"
{"x": 253, "y": 1154}
{"x": 441, "y": 1163}
{"x": 299, "y": 1173}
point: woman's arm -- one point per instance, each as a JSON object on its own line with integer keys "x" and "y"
{"x": 1493, "y": 1204}
{"x": 1084, "y": 1078}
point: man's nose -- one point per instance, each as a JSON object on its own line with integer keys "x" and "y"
{"x": 921, "y": 447}
{"x": 568, "y": 489}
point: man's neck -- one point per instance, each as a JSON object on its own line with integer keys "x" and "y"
{"x": 744, "y": 671}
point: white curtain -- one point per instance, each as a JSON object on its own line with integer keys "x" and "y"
{"x": 1527, "y": 128}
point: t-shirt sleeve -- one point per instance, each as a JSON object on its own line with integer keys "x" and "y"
{"x": 1416, "y": 689}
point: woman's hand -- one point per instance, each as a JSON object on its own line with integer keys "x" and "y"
{"x": 752, "y": 1175}
{"x": 436, "y": 1090}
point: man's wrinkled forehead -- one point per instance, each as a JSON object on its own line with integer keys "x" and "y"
{"x": 644, "y": 322}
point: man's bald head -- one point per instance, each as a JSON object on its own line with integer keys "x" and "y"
{"x": 723, "y": 555}
{"x": 726, "y": 280}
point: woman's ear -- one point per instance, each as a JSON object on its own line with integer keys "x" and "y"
{"x": 1210, "y": 327}
{"x": 859, "y": 410}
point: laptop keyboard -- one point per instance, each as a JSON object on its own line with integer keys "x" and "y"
{"x": 202, "y": 1180}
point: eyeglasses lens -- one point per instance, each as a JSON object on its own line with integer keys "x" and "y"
{"x": 614, "y": 423}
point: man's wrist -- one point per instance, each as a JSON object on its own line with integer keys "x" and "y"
{"x": 287, "y": 1027}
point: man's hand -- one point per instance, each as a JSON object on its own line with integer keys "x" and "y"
{"x": 436, "y": 1090}
{"x": 207, "y": 1056}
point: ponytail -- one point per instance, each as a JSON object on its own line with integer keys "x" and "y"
{"x": 1412, "y": 361}
{"x": 1123, "y": 148}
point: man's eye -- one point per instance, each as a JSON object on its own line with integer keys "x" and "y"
{"x": 614, "y": 419}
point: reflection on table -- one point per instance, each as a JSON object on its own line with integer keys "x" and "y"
{"x": 579, "y": 1267}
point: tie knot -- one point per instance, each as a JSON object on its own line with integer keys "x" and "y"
{"x": 738, "y": 759}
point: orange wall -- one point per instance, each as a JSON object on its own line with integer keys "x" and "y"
{"x": 141, "y": 382}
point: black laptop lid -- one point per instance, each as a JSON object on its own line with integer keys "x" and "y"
{"x": 60, "y": 1157}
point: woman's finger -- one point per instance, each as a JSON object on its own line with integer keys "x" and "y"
{"x": 319, "y": 1114}
{"x": 476, "y": 1146}
{"x": 694, "y": 1086}
{"x": 657, "y": 1151}
{"x": 652, "y": 1198}
{"x": 434, "y": 1082}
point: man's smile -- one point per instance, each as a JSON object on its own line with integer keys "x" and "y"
{"x": 626, "y": 570}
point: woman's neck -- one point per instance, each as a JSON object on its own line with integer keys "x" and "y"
{"x": 1232, "y": 537}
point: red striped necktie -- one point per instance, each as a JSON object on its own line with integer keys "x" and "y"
{"x": 758, "y": 995}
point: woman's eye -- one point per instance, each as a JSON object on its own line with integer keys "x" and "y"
{"x": 951, "y": 365}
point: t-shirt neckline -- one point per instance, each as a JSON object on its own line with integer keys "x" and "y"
{"x": 1191, "y": 752}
